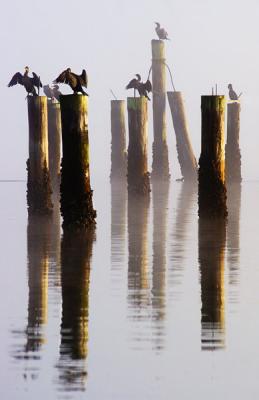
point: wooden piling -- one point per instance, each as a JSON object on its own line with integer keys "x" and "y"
{"x": 38, "y": 182}
{"x": 212, "y": 244}
{"x": 187, "y": 160}
{"x": 212, "y": 189}
{"x": 232, "y": 149}
{"x": 54, "y": 139}
{"x": 118, "y": 143}
{"x": 75, "y": 190}
{"x": 138, "y": 175}
{"x": 160, "y": 165}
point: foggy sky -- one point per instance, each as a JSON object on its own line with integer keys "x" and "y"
{"x": 212, "y": 42}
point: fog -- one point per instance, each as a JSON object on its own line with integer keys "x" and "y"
{"x": 211, "y": 42}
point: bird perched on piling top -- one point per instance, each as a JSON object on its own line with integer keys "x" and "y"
{"x": 76, "y": 82}
{"x": 28, "y": 82}
{"x": 232, "y": 93}
{"x": 141, "y": 87}
{"x": 161, "y": 32}
{"x": 52, "y": 92}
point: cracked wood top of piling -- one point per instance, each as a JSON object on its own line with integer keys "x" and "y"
{"x": 136, "y": 103}
{"x": 216, "y": 103}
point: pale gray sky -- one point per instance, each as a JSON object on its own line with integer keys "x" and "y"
{"x": 212, "y": 41}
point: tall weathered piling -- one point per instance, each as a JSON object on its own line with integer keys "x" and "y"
{"x": 160, "y": 165}
{"x": 118, "y": 143}
{"x": 38, "y": 182}
{"x": 138, "y": 175}
{"x": 54, "y": 139}
{"x": 187, "y": 160}
{"x": 212, "y": 243}
{"x": 212, "y": 189}
{"x": 232, "y": 149}
{"x": 76, "y": 194}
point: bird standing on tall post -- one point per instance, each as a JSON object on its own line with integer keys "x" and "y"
{"x": 76, "y": 82}
{"x": 28, "y": 82}
{"x": 232, "y": 93}
{"x": 161, "y": 32}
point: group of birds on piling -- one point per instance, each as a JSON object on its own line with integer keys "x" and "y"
{"x": 76, "y": 82}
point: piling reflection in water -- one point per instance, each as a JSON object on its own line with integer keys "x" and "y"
{"x": 212, "y": 241}
{"x": 118, "y": 224}
{"x": 233, "y": 237}
{"x": 160, "y": 193}
{"x": 138, "y": 281}
{"x": 185, "y": 202}
{"x": 76, "y": 253}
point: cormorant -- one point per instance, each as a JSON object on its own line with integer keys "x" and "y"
{"x": 52, "y": 92}
{"x": 232, "y": 93}
{"x": 161, "y": 32}
{"x": 28, "y": 82}
{"x": 141, "y": 87}
{"x": 76, "y": 82}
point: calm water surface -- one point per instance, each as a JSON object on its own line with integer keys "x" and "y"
{"x": 152, "y": 304}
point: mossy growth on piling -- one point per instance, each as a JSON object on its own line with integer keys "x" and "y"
{"x": 39, "y": 192}
{"x": 75, "y": 190}
{"x": 138, "y": 175}
{"x": 212, "y": 189}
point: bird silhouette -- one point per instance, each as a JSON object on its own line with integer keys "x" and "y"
{"x": 141, "y": 87}
{"x": 52, "y": 92}
{"x": 232, "y": 93}
{"x": 28, "y": 82}
{"x": 76, "y": 82}
{"x": 56, "y": 92}
{"x": 161, "y": 32}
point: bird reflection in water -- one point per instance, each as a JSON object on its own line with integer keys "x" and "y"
{"x": 76, "y": 253}
{"x": 233, "y": 238}
{"x": 212, "y": 242}
{"x": 160, "y": 191}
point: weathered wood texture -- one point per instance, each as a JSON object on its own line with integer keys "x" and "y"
{"x": 212, "y": 189}
{"x": 187, "y": 160}
{"x": 212, "y": 243}
{"x": 160, "y": 165}
{"x": 76, "y": 194}
{"x": 54, "y": 138}
{"x": 138, "y": 175}
{"x": 38, "y": 183}
{"x": 233, "y": 155}
{"x": 76, "y": 254}
{"x": 118, "y": 143}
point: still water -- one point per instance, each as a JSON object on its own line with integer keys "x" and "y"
{"x": 152, "y": 304}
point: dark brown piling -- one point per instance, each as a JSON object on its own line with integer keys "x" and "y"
{"x": 232, "y": 149}
{"x": 38, "y": 182}
{"x": 212, "y": 189}
{"x": 212, "y": 243}
{"x": 160, "y": 165}
{"x": 187, "y": 160}
{"x": 138, "y": 175}
{"x": 118, "y": 143}
{"x": 54, "y": 138}
{"x": 75, "y": 190}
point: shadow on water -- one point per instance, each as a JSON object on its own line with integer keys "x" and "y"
{"x": 160, "y": 193}
{"x": 233, "y": 238}
{"x": 76, "y": 254}
{"x": 42, "y": 235}
{"x": 212, "y": 243}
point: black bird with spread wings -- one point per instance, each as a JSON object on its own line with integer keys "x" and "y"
{"x": 76, "y": 82}
{"x": 141, "y": 87}
{"x": 161, "y": 32}
{"x": 28, "y": 82}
